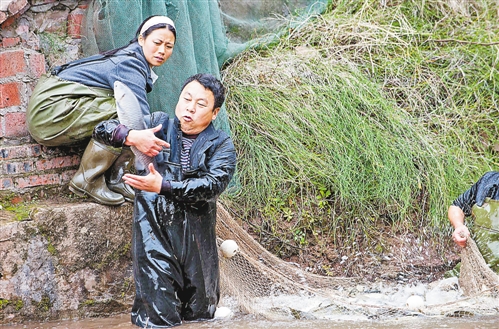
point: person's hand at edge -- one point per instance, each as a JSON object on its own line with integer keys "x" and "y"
{"x": 461, "y": 232}
{"x": 460, "y": 235}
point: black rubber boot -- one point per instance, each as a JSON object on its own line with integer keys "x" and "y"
{"x": 114, "y": 175}
{"x": 90, "y": 180}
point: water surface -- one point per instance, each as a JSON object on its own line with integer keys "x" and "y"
{"x": 249, "y": 322}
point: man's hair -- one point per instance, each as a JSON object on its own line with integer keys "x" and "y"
{"x": 209, "y": 82}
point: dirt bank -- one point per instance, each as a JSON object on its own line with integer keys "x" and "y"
{"x": 388, "y": 254}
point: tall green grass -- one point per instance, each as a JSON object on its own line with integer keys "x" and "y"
{"x": 366, "y": 113}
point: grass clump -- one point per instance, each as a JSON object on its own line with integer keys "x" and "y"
{"x": 368, "y": 113}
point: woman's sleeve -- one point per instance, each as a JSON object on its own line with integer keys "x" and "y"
{"x": 111, "y": 132}
{"x": 134, "y": 74}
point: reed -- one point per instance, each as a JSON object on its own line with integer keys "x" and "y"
{"x": 367, "y": 113}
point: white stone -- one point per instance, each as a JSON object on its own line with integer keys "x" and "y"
{"x": 4, "y": 4}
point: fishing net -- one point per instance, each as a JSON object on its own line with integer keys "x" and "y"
{"x": 256, "y": 282}
{"x": 475, "y": 275}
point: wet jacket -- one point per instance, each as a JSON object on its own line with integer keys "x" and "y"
{"x": 174, "y": 248}
{"x": 486, "y": 187}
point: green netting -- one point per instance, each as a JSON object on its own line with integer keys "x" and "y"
{"x": 209, "y": 32}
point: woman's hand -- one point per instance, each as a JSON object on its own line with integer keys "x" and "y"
{"x": 150, "y": 183}
{"x": 145, "y": 141}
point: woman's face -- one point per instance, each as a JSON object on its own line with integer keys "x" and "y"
{"x": 157, "y": 46}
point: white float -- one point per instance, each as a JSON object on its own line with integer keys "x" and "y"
{"x": 229, "y": 248}
{"x": 223, "y": 313}
{"x": 415, "y": 303}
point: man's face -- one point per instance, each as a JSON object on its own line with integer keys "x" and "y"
{"x": 195, "y": 108}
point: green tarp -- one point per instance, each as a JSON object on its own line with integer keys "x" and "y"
{"x": 209, "y": 32}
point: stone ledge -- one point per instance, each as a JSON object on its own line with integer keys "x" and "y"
{"x": 69, "y": 261}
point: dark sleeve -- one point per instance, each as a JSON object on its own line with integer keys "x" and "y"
{"x": 485, "y": 187}
{"x": 211, "y": 183}
{"x": 111, "y": 132}
{"x": 166, "y": 188}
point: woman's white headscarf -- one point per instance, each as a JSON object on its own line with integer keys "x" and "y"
{"x": 156, "y": 20}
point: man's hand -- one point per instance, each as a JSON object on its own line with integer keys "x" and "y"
{"x": 145, "y": 141}
{"x": 460, "y": 235}
{"x": 461, "y": 232}
{"x": 150, "y": 183}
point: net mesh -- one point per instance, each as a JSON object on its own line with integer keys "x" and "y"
{"x": 256, "y": 282}
{"x": 475, "y": 275}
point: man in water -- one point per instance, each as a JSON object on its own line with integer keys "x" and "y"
{"x": 174, "y": 250}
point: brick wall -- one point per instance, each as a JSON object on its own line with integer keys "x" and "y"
{"x": 26, "y": 168}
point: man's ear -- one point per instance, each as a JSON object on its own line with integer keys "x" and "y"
{"x": 215, "y": 113}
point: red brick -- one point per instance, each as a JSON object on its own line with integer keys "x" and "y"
{"x": 3, "y": 17}
{"x": 16, "y": 9}
{"x": 10, "y": 42}
{"x": 11, "y": 63}
{"x": 60, "y": 162}
{"x": 19, "y": 152}
{"x": 9, "y": 96}
{"x": 17, "y": 199}
{"x": 6, "y": 183}
{"x": 37, "y": 180}
{"x": 74, "y": 23}
{"x": 18, "y": 6}
{"x": 36, "y": 64}
{"x": 15, "y": 125}
{"x": 17, "y": 168}
{"x": 9, "y": 21}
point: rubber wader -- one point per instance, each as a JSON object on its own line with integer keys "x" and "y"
{"x": 121, "y": 166}
{"x": 90, "y": 180}
{"x": 486, "y": 231}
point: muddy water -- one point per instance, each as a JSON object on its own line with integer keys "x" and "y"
{"x": 392, "y": 306}
{"x": 248, "y": 322}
